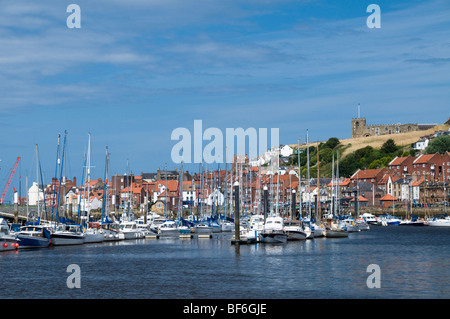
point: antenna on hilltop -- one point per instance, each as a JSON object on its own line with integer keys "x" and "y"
{"x": 359, "y": 110}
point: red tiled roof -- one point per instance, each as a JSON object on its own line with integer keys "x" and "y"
{"x": 417, "y": 182}
{"x": 388, "y": 197}
{"x": 397, "y": 161}
{"x": 360, "y": 199}
{"x": 368, "y": 173}
{"x": 345, "y": 182}
{"x": 423, "y": 159}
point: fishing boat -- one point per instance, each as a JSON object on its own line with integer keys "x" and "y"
{"x": 294, "y": 230}
{"x": 273, "y": 231}
{"x": 7, "y": 241}
{"x": 67, "y": 234}
{"x": 34, "y": 236}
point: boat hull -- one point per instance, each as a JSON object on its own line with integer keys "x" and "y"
{"x": 93, "y": 238}
{"x": 33, "y": 242}
{"x": 274, "y": 237}
{"x": 439, "y": 223}
{"x": 131, "y": 235}
{"x": 7, "y": 244}
{"x": 64, "y": 239}
{"x": 335, "y": 233}
{"x": 295, "y": 235}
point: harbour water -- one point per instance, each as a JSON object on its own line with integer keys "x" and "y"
{"x": 413, "y": 262}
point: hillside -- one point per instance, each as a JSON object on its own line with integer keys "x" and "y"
{"x": 403, "y": 139}
{"x": 359, "y": 153}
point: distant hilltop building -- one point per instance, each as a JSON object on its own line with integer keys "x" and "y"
{"x": 361, "y": 129}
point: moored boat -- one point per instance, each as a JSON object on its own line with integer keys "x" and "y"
{"x": 34, "y": 236}
{"x": 439, "y": 222}
{"x": 67, "y": 234}
{"x": 129, "y": 230}
{"x": 294, "y": 230}
{"x": 168, "y": 228}
{"x": 7, "y": 241}
{"x": 273, "y": 231}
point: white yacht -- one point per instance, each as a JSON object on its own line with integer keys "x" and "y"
{"x": 129, "y": 230}
{"x": 370, "y": 219}
{"x": 273, "y": 230}
{"x": 348, "y": 225}
{"x": 155, "y": 223}
{"x": 294, "y": 230}
{"x": 227, "y": 226}
{"x": 168, "y": 228}
{"x": 67, "y": 234}
{"x": 254, "y": 228}
{"x": 439, "y": 222}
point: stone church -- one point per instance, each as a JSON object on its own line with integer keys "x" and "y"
{"x": 361, "y": 129}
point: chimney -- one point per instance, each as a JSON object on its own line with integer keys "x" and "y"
{"x": 74, "y": 181}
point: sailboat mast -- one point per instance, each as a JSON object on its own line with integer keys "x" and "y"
{"x": 37, "y": 180}
{"x": 318, "y": 185}
{"x": 308, "y": 176}
{"x": 59, "y": 188}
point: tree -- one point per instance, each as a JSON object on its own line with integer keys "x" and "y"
{"x": 440, "y": 144}
{"x": 389, "y": 147}
{"x": 332, "y": 142}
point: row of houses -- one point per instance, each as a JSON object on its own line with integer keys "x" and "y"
{"x": 407, "y": 180}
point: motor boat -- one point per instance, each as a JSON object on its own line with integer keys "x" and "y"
{"x": 253, "y": 228}
{"x": 227, "y": 226}
{"x": 273, "y": 230}
{"x": 370, "y": 219}
{"x": 67, "y": 234}
{"x": 34, "y": 236}
{"x": 348, "y": 225}
{"x": 203, "y": 227}
{"x": 331, "y": 230}
{"x": 129, "y": 230}
{"x": 362, "y": 224}
{"x": 294, "y": 230}
{"x": 168, "y": 228}
{"x": 390, "y": 221}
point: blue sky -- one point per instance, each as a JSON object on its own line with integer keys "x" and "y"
{"x": 138, "y": 69}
